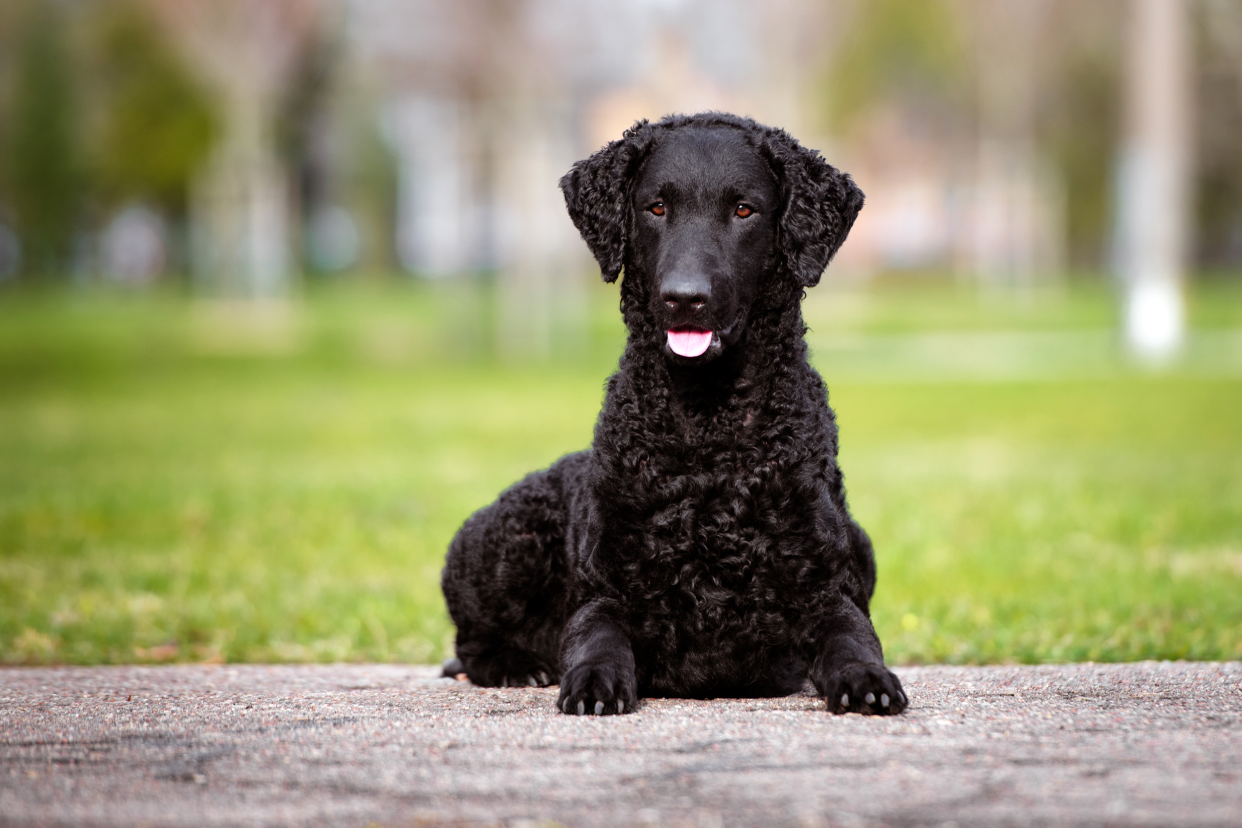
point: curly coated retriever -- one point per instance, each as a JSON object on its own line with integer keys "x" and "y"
{"x": 701, "y": 548}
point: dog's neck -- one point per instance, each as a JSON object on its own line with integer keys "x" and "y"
{"x": 711, "y": 386}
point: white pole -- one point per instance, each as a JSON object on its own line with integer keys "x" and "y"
{"x": 1153, "y": 196}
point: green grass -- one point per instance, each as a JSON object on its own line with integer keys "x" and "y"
{"x": 181, "y": 483}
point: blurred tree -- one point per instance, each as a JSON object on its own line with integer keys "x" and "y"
{"x": 156, "y": 121}
{"x": 303, "y": 128}
{"x": 371, "y": 177}
{"x": 1152, "y": 195}
{"x": 1219, "y": 179}
{"x": 43, "y": 174}
{"x": 910, "y": 51}
{"x": 306, "y": 98}
{"x": 1080, "y": 120}
{"x": 12, "y": 18}
{"x": 247, "y": 52}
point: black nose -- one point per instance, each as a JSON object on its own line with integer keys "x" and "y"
{"x": 685, "y": 292}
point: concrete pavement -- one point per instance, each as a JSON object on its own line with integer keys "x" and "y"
{"x": 1149, "y": 744}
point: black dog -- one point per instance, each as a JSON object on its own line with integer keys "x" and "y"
{"x": 702, "y": 547}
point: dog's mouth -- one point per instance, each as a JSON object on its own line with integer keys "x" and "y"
{"x": 690, "y": 342}
{"x": 696, "y": 346}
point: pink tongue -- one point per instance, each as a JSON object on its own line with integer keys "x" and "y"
{"x": 689, "y": 343}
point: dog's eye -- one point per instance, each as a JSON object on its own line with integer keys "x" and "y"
{"x": 657, "y": 209}
{"x": 743, "y": 211}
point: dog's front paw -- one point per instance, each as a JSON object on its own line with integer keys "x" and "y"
{"x": 508, "y": 668}
{"x": 539, "y": 678}
{"x": 598, "y": 689}
{"x": 862, "y": 688}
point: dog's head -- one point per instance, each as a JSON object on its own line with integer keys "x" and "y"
{"x": 704, "y": 208}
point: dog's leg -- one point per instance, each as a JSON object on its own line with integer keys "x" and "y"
{"x": 599, "y": 674}
{"x": 864, "y": 559}
{"x": 849, "y": 669}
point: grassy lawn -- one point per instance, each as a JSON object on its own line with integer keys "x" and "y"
{"x": 180, "y": 483}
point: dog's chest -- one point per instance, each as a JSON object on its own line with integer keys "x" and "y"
{"x": 721, "y": 542}
{"x": 714, "y": 525}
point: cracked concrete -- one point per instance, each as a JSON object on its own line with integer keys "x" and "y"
{"x": 1091, "y": 744}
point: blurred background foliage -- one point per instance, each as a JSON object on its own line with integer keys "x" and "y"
{"x": 287, "y": 291}
{"x": 904, "y": 49}
{"x": 108, "y": 104}
{"x": 153, "y": 118}
{"x": 101, "y": 110}
{"x": 43, "y": 169}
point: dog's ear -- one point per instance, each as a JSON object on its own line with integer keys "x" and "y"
{"x": 819, "y": 206}
{"x": 597, "y": 193}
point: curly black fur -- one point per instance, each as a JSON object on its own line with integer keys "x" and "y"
{"x": 702, "y": 546}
